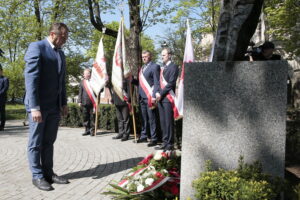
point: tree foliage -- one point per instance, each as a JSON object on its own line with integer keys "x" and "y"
{"x": 25, "y": 21}
{"x": 283, "y": 19}
{"x": 203, "y": 17}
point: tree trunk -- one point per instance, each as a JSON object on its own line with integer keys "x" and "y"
{"x": 38, "y": 19}
{"x": 135, "y": 54}
{"x": 96, "y": 19}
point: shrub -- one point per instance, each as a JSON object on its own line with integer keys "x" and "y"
{"x": 247, "y": 182}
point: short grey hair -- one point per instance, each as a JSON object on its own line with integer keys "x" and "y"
{"x": 169, "y": 51}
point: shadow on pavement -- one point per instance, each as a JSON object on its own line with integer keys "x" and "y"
{"x": 103, "y": 170}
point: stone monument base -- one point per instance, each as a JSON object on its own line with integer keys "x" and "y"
{"x": 233, "y": 109}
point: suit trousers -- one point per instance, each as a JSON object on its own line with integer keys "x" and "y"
{"x": 167, "y": 123}
{"x": 88, "y": 118}
{"x": 40, "y": 146}
{"x": 148, "y": 120}
{"x": 122, "y": 113}
{"x": 3, "y": 116}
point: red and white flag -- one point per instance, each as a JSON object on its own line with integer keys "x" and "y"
{"x": 188, "y": 57}
{"x": 120, "y": 68}
{"x": 99, "y": 75}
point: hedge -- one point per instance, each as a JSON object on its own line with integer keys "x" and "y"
{"x": 108, "y": 119}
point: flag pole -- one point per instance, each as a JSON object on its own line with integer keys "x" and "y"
{"x": 133, "y": 115}
{"x": 96, "y": 120}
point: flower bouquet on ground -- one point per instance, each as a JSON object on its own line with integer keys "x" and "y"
{"x": 157, "y": 176}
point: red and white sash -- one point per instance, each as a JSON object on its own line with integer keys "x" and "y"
{"x": 171, "y": 95}
{"x": 90, "y": 92}
{"x": 146, "y": 88}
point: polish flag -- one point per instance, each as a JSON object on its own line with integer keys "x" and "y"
{"x": 99, "y": 75}
{"x": 188, "y": 57}
{"x": 120, "y": 68}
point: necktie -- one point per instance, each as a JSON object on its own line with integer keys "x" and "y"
{"x": 144, "y": 68}
{"x": 58, "y": 58}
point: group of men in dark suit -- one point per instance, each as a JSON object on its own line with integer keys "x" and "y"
{"x": 154, "y": 84}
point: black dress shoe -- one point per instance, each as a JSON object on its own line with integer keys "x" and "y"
{"x": 169, "y": 148}
{"x": 142, "y": 140}
{"x": 124, "y": 139}
{"x": 85, "y": 133}
{"x": 117, "y": 137}
{"x": 42, "y": 184}
{"x": 152, "y": 144}
{"x": 161, "y": 147}
{"x": 57, "y": 179}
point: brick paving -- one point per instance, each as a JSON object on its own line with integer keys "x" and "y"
{"x": 89, "y": 162}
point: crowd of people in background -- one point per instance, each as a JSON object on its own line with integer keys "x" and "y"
{"x": 152, "y": 94}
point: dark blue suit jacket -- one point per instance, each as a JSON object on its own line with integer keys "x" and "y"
{"x": 170, "y": 74}
{"x": 4, "y": 84}
{"x": 44, "y": 78}
{"x": 151, "y": 75}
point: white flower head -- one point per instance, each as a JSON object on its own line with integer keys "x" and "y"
{"x": 149, "y": 181}
{"x": 158, "y": 155}
{"x": 140, "y": 188}
{"x": 146, "y": 174}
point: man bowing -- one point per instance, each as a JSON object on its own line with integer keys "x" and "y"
{"x": 44, "y": 100}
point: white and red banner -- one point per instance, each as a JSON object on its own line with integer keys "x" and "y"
{"x": 171, "y": 95}
{"x": 99, "y": 75}
{"x": 89, "y": 91}
{"x": 146, "y": 88}
{"x": 188, "y": 57}
{"x": 120, "y": 67}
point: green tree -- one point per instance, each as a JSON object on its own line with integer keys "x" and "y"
{"x": 25, "y": 21}
{"x": 283, "y": 19}
{"x": 15, "y": 75}
{"x": 109, "y": 45}
{"x": 142, "y": 14}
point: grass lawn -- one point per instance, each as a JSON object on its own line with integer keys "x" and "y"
{"x": 15, "y": 111}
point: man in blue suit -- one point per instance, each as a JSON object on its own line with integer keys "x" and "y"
{"x": 148, "y": 86}
{"x": 45, "y": 100}
{"x": 4, "y": 84}
{"x": 168, "y": 78}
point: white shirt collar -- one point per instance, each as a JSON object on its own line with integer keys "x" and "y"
{"x": 52, "y": 45}
{"x": 168, "y": 62}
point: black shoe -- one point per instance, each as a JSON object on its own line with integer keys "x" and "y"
{"x": 117, "y": 137}
{"x": 124, "y": 139}
{"x": 152, "y": 144}
{"x": 85, "y": 133}
{"x": 1, "y": 128}
{"x": 142, "y": 140}
{"x": 161, "y": 147}
{"x": 57, "y": 179}
{"x": 169, "y": 148}
{"x": 42, "y": 184}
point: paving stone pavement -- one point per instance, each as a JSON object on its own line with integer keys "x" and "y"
{"x": 89, "y": 162}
